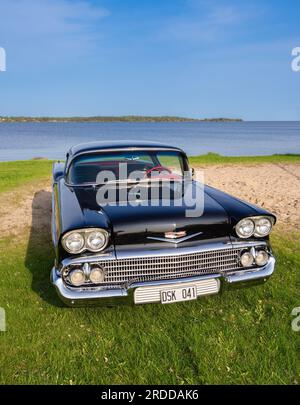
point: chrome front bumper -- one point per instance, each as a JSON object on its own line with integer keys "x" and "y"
{"x": 134, "y": 293}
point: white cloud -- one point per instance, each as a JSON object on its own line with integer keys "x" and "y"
{"x": 204, "y": 22}
{"x": 224, "y": 15}
{"x": 32, "y": 17}
{"x": 49, "y": 29}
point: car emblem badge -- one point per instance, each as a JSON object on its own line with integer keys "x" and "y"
{"x": 175, "y": 235}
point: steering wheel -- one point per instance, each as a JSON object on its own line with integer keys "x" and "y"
{"x": 158, "y": 168}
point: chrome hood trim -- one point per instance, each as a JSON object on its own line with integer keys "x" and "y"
{"x": 175, "y": 241}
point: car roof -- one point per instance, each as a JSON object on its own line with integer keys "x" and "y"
{"x": 107, "y": 145}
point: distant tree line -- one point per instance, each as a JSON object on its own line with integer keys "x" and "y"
{"x": 127, "y": 118}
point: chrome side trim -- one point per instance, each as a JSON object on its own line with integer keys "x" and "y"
{"x": 53, "y": 214}
{"x": 245, "y": 243}
{"x": 87, "y": 259}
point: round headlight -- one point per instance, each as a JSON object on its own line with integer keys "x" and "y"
{"x": 97, "y": 275}
{"x": 263, "y": 227}
{"x": 245, "y": 228}
{"x": 74, "y": 242}
{"x": 96, "y": 241}
{"x": 77, "y": 277}
{"x": 261, "y": 258}
{"x": 247, "y": 259}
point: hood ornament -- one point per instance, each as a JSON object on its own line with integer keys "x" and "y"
{"x": 175, "y": 237}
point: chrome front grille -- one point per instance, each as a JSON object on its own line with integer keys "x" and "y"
{"x": 150, "y": 268}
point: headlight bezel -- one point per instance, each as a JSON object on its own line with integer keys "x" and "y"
{"x": 265, "y": 253}
{"x": 80, "y": 271}
{"x": 255, "y": 220}
{"x": 251, "y": 257}
{"x": 85, "y": 233}
{"x": 240, "y": 235}
{"x": 261, "y": 235}
{"x": 66, "y": 240}
{"x": 88, "y": 241}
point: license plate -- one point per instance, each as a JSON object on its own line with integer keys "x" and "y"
{"x": 178, "y": 294}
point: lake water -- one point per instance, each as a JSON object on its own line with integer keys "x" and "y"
{"x": 19, "y": 141}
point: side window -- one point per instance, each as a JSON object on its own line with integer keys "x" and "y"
{"x": 171, "y": 162}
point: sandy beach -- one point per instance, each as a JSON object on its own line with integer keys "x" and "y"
{"x": 275, "y": 187}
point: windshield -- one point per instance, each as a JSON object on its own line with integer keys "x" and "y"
{"x": 126, "y": 166}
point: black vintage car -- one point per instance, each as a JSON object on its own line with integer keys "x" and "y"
{"x": 124, "y": 229}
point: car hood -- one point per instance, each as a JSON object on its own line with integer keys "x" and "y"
{"x": 140, "y": 227}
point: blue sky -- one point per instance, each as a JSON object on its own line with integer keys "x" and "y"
{"x": 194, "y": 58}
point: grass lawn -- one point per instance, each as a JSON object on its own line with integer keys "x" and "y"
{"x": 215, "y": 158}
{"x": 240, "y": 337}
{"x": 243, "y": 336}
{"x": 14, "y": 174}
